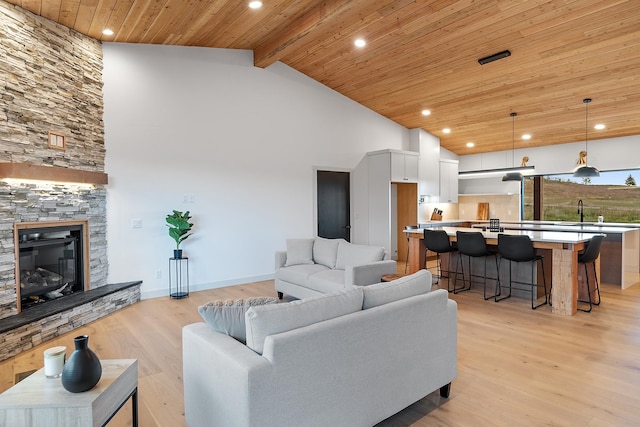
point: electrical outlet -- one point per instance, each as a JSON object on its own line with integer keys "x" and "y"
{"x": 136, "y": 223}
{"x": 158, "y": 274}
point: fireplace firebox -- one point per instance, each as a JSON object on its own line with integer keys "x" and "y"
{"x": 50, "y": 262}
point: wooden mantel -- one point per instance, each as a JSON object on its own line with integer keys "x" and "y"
{"x": 51, "y": 173}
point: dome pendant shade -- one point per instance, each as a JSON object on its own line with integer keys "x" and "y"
{"x": 586, "y": 172}
{"x": 512, "y": 176}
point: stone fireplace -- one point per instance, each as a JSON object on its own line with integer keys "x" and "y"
{"x": 51, "y": 84}
{"x": 31, "y": 211}
{"x": 50, "y": 261}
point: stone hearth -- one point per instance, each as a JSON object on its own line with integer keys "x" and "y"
{"x": 33, "y": 327}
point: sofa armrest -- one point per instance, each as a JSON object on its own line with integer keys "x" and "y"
{"x": 281, "y": 259}
{"x": 368, "y": 274}
{"x": 217, "y": 370}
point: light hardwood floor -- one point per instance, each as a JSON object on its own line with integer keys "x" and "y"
{"x": 516, "y": 366}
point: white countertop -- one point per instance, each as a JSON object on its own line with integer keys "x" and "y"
{"x": 535, "y": 235}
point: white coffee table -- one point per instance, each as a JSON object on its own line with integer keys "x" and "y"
{"x": 42, "y": 401}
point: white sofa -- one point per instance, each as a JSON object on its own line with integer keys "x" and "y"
{"x": 315, "y": 266}
{"x": 348, "y": 358}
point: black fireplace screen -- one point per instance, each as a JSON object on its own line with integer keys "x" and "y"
{"x": 50, "y": 263}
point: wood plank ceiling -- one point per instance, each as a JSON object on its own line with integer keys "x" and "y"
{"x": 420, "y": 54}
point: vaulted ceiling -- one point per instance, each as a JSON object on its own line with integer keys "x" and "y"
{"x": 420, "y": 54}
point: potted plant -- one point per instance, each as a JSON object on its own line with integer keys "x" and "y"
{"x": 179, "y": 229}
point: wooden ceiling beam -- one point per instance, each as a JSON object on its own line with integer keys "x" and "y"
{"x": 286, "y": 41}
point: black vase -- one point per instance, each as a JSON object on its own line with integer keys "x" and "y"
{"x": 177, "y": 253}
{"x": 83, "y": 370}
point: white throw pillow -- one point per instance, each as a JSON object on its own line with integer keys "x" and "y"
{"x": 299, "y": 251}
{"x": 273, "y": 319}
{"x": 350, "y": 254}
{"x": 227, "y": 316}
{"x": 325, "y": 251}
{"x": 404, "y": 287}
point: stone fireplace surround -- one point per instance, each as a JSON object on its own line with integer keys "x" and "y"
{"x": 42, "y": 202}
{"x": 51, "y": 81}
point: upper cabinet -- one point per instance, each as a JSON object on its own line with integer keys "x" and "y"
{"x": 404, "y": 166}
{"x": 448, "y": 181}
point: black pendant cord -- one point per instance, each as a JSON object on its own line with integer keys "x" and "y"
{"x": 513, "y": 139}
{"x": 586, "y": 130}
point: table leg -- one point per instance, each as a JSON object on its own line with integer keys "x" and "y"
{"x": 564, "y": 294}
{"x": 417, "y": 254}
{"x": 134, "y": 407}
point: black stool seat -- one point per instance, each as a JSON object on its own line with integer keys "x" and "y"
{"x": 519, "y": 248}
{"x": 438, "y": 241}
{"x": 589, "y": 256}
{"x": 473, "y": 245}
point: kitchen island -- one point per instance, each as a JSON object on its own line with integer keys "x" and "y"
{"x": 562, "y": 246}
{"x": 620, "y": 252}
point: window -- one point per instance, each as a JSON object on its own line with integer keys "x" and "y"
{"x": 613, "y": 194}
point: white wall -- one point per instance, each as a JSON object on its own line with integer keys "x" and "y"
{"x": 242, "y": 141}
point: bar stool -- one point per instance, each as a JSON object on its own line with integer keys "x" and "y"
{"x": 438, "y": 241}
{"x": 408, "y": 227}
{"x": 589, "y": 256}
{"x": 473, "y": 245}
{"x": 519, "y": 248}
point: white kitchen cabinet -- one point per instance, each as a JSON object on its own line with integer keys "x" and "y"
{"x": 375, "y": 197}
{"x": 404, "y": 166}
{"x": 448, "y": 181}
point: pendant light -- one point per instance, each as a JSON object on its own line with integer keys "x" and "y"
{"x": 586, "y": 171}
{"x": 513, "y": 176}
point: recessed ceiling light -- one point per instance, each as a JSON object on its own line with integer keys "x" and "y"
{"x": 426, "y": 112}
{"x": 599, "y": 126}
{"x": 107, "y": 32}
{"x": 470, "y": 144}
{"x": 360, "y": 43}
{"x": 255, "y": 4}
{"x": 446, "y": 130}
{"x": 526, "y": 136}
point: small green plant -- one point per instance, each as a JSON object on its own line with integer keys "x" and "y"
{"x": 179, "y": 226}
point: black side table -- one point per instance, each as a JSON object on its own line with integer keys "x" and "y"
{"x": 178, "y": 278}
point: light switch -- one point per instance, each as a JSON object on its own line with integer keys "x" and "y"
{"x": 136, "y": 223}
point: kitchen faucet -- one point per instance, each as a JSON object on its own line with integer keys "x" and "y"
{"x": 581, "y": 210}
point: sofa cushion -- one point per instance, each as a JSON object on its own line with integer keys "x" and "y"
{"x": 350, "y": 254}
{"x": 299, "y": 251}
{"x": 266, "y": 320}
{"x": 325, "y": 251}
{"x": 326, "y": 281}
{"x": 227, "y": 316}
{"x": 299, "y": 274}
{"x": 404, "y": 287}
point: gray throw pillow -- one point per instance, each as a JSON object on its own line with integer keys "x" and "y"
{"x": 325, "y": 251}
{"x": 299, "y": 251}
{"x": 227, "y": 316}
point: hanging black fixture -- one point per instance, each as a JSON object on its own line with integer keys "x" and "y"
{"x": 494, "y": 57}
{"x": 586, "y": 171}
{"x": 513, "y": 176}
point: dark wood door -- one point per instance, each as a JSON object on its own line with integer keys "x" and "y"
{"x": 333, "y": 201}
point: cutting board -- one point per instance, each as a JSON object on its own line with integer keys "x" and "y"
{"x": 483, "y": 211}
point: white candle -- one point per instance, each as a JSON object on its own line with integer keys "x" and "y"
{"x": 54, "y": 359}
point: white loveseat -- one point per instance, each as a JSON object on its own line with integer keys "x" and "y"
{"x": 315, "y": 266}
{"x": 348, "y": 358}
